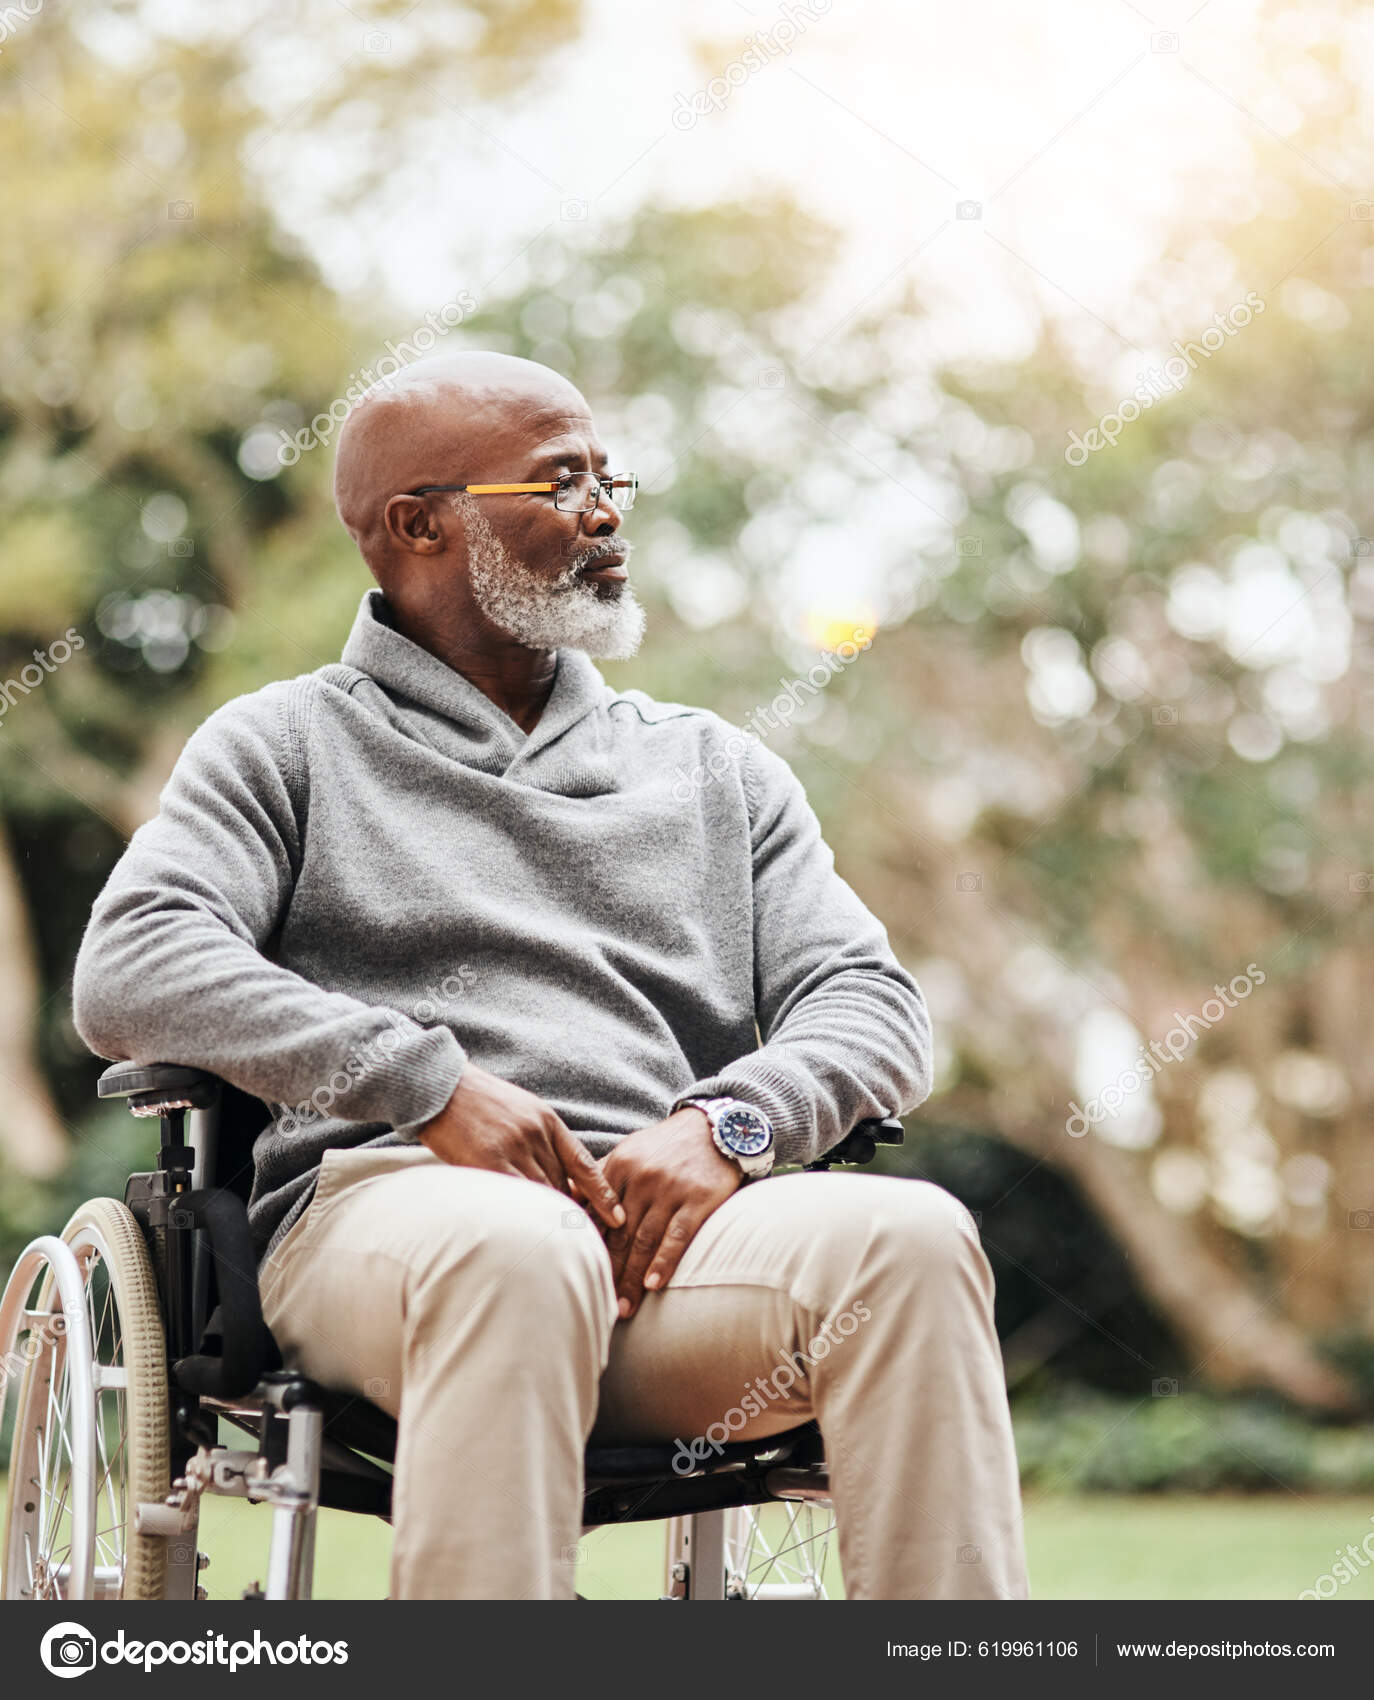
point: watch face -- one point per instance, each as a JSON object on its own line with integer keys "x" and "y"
{"x": 745, "y": 1131}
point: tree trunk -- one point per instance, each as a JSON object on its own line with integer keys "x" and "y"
{"x": 1237, "y": 1339}
{"x": 32, "y": 1137}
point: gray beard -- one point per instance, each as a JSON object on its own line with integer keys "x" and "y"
{"x": 542, "y": 613}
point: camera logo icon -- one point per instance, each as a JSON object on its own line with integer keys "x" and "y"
{"x": 68, "y": 1650}
{"x": 1164, "y": 41}
{"x": 969, "y": 1224}
{"x": 968, "y": 210}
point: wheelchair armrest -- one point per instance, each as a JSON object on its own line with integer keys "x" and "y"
{"x": 154, "y": 1088}
{"x": 860, "y": 1144}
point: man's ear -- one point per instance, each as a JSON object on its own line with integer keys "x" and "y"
{"x": 412, "y": 526}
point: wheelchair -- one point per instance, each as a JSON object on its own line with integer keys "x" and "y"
{"x": 136, "y": 1338}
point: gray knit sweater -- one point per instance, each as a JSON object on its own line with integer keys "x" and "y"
{"x": 361, "y": 877}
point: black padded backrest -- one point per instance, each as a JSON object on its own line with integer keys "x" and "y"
{"x": 241, "y": 1119}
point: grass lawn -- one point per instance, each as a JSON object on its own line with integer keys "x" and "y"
{"x": 1092, "y": 1547}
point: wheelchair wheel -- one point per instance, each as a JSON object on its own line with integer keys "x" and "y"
{"x": 91, "y": 1423}
{"x": 778, "y": 1551}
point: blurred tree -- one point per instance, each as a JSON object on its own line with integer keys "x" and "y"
{"x": 1030, "y": 773}
{"x": 1125, "y": 745}
{"x": 1109, "y": 748}
{"x": 158, "y": 331}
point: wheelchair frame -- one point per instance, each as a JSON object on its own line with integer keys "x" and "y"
{"x": 316, "y": 1446}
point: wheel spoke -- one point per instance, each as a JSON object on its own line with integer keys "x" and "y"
{"x": 779, "y": 1556}
{"x": 73, "y": 1439}
{"x": 105, "y": 1333}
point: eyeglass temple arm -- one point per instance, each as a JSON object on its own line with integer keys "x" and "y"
{"x": 542, "y": 488}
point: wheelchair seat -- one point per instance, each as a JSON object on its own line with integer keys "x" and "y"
{"x": 224, "y": 1361}
{"x": 353, "y": 1421}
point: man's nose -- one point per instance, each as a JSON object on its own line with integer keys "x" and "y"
{"x": 604, "y": 518}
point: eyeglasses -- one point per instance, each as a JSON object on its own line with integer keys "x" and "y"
{"x": 574, "y": 492}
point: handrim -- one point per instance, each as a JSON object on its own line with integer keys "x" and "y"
{"x": 125, "y": 1387}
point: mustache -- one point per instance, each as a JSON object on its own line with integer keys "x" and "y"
{"x": 601, "y": 549}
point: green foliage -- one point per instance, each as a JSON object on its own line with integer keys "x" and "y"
{"x": 112, "y": 1145}
{"x": 1073, "y": 1440}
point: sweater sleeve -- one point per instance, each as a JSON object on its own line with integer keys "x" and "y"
{"x": 174, "y": 964}
{"x": 846, "y": 1034}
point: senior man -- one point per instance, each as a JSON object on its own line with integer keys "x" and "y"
{"x": 448, "y": 906}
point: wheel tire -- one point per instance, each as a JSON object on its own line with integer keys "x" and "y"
{"x": 125, "y": 1319}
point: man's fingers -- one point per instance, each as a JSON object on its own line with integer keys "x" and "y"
{"x": 546, "y": 1163}
{"x": 583, "y": 1168}
{"x": 558, "y": 1179}
{"x": 542, "y": 1166}
{"x": 547, "y": 1174}
{"x": 643, "y": 1248}
{"x": 620, "y": 1241}
{"x": 677, "y": 1236}
{"x": 521, "y": 1172}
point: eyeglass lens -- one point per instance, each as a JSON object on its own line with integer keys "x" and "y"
{"x": 578, "y": 491}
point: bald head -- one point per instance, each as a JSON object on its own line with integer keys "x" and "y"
{"x": 493, "y": 583}
{"x": 468, "y": 417}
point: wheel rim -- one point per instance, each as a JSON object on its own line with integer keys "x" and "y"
{"x": 778, "y": 1551}
{"x": 51, "y": 1516}
{"x": 110, "y": 1532}
{"x": 90, "y": 1438}
{"x": 54, "y": 1484}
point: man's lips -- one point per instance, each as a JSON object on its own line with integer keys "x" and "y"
{"x": 610, "y": 566}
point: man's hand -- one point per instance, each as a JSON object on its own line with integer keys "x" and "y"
{"x": 489, "y": 1123}
{"x": 670, "y": 1178}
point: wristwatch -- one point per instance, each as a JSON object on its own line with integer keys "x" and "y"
{"x": 739, "y": 1132}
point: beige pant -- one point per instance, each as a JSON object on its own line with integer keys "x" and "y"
{"x": 478, "y": 1309}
